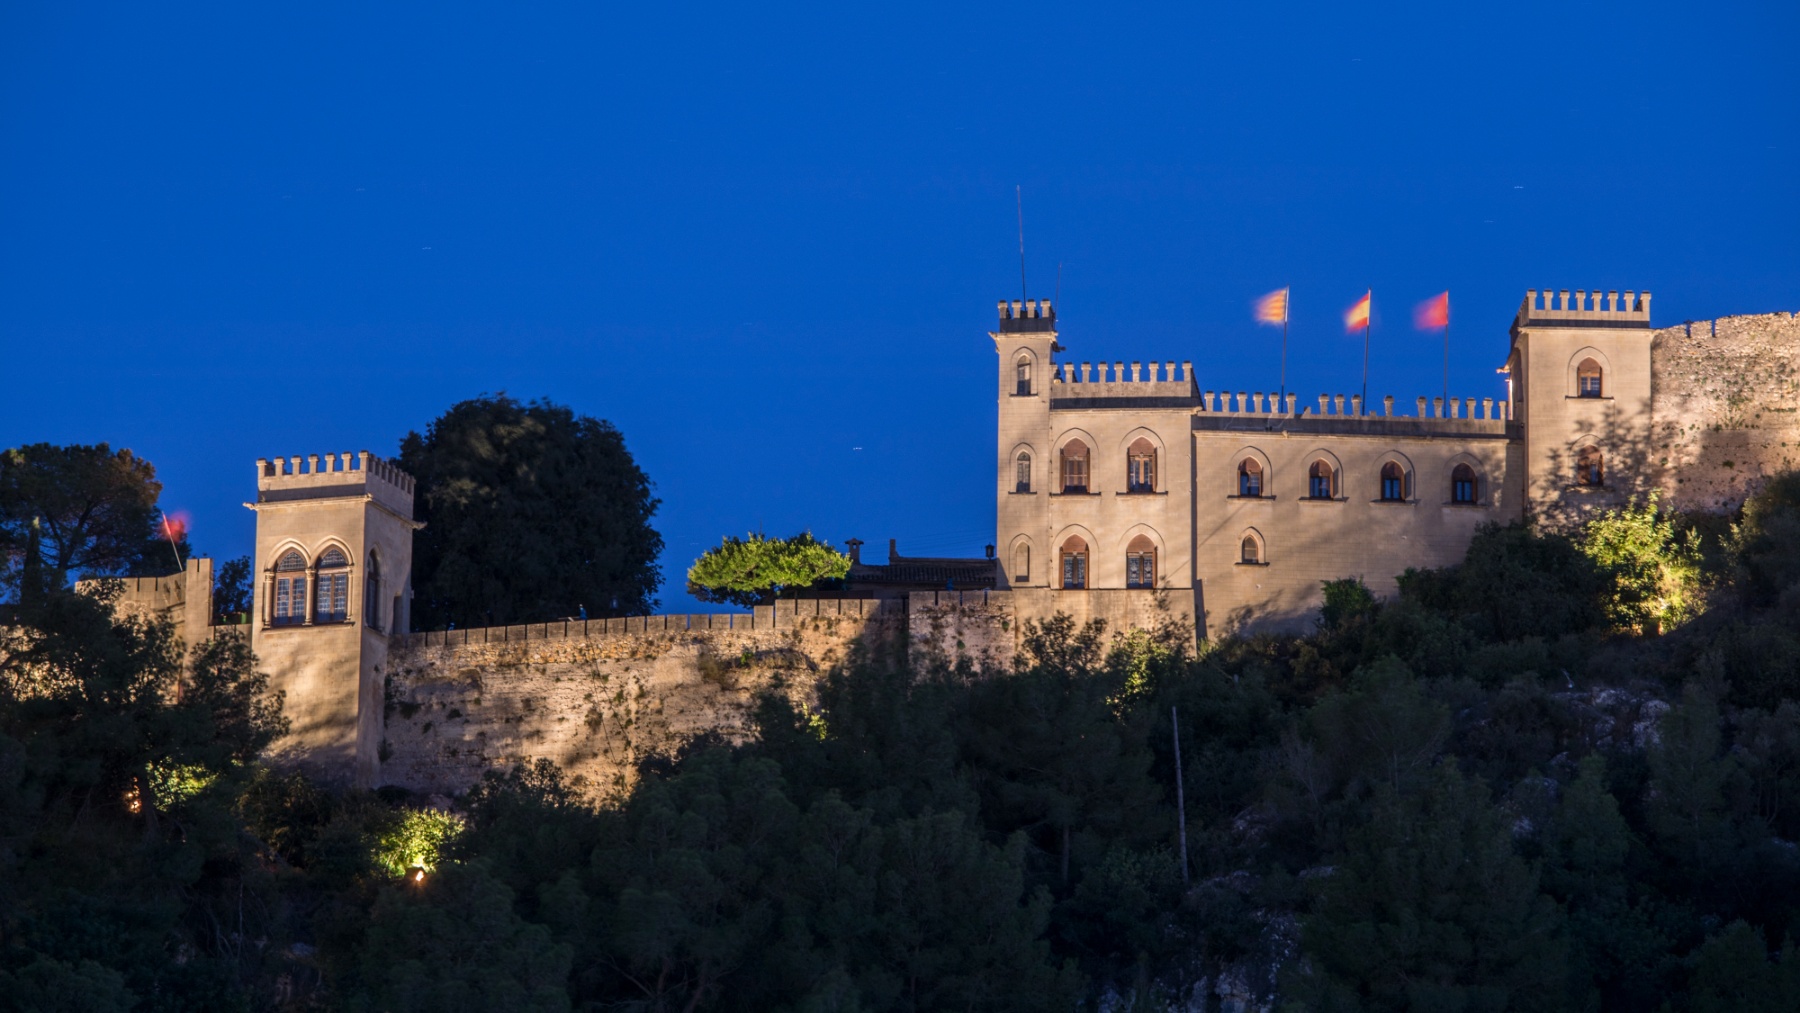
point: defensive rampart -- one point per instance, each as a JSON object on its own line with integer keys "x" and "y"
{"x": 599, "y": 697}
{"x": 1725, "y": 407}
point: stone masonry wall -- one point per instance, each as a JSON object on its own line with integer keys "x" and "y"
{"x": 1725, "y": 407}
{"x": 599, "y": 697}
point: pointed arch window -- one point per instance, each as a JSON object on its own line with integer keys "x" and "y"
{"x": 1075, "y": 467}
{"x": 1590, "y": 468}
{"x": 1250, "y": 477}
{"x": 1140, "y": 466}
{"x": 1074, "y": 564}
{"x": 1250, "y": 550}
{"x": 1321, "y": 480}
{"x": 1022, "y": 472}
{"x": 1462, "y": 485}
{"x": 290, "y": 589}
{"x": 1393, "y": 483}
{"x": 1021, "y": 563}
{"x": 372, "y": 593}
{"x": 1140, "y": 563}
{"x": 1587, "y": 379}
{"x": 332, "y": 587}
{"x": 1022, "y": 376}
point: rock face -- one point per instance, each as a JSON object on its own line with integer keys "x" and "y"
{"x": 1725, "y": 408}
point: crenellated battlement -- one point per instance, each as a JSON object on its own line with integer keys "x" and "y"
{"x": 1027, "y": 316}
{"x": 1560, "y": 307}
{"x": 318, "y": 475}
{"x": 1270, "y": 405}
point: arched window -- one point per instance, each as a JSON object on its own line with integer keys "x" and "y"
{"x": 1590, "y": 469}
{"x": 290, "y": 589}
{"x": 372, "y": 593}
{"x": 1462, "y": 484}
{"x": 1321, "y": 481}
{"x": 1393, "y": 482}
{"x": 1250, "y": 477}
{"x": 1021, "y": 563}
{"x": 1074, "y": 563}
{"x": 333, "y": 605}
{"x": 1023, "y": 367}
{"x": 1075, "y": 467}
{"x": 1140, "y": 563}
{"x": 1587, "y": 379}
{"x": 1250, "y": 550}
{"x": 1140, "y": 466}
{"x": 1022, "y": 473}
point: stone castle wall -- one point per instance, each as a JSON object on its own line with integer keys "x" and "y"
{"x": 1725, "y": 408}
{"x": 598, "y": 698}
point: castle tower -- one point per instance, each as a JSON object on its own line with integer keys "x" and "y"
{"x": 1025, "y": 341}
{"x": 333, "y": 571}
{"x": 1579, "y": 372}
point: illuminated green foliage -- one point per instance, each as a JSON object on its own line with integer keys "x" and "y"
{"x": 742, "y": 571}
{"x": 1654, "y": 568}
{"x": 416, "y": 840}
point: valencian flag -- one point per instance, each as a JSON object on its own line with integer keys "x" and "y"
{"x": 1433, "y": 313}
{"x": 1358, "y": 316}
{"x": 1273, "y": 308}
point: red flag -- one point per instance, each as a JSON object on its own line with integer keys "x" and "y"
{"x": 1359, "y": 314}
{"x": 1433, "y": 313}
{"x": 175, "y": 526}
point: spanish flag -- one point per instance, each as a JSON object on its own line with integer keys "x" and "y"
{"x": 1433, "y": 313}
{"x": 1359, "y": 314}
{"x": 1272, "y": 308}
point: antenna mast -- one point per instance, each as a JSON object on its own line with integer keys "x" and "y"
{"x": 1019, "y": 195}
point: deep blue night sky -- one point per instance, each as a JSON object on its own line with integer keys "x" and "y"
{"x": 766, "y": 243}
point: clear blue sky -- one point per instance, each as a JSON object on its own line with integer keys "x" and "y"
{"x": 766, "y": 240}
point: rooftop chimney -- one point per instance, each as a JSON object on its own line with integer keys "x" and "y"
{"x": 855, "y": 546}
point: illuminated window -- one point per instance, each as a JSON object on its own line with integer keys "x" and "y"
{"x": 290, "y": 589}
{"x": 1250, "y": 477}
{"x": 1140, "y": 563}
{"x": 1587, "y": 379}
{"x": 1589, "y": 467}
{"x": 1075, "y": 467}
{"x": 1462, "y": 484}
{"x": 1140, "y": 467}
{"x": 1074, "y": 564}
{"x": 1320, "y": 481}
{"x": 332, "y": 588}
{"x": 1022, "y": 473}
{"x": 1393, "y": 482}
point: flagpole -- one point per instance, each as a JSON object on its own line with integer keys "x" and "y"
{"x": 1284, "y": 323}
{"x": 1368, "y": 321}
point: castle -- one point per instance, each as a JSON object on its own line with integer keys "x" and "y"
{"x": 1134, "y": 495}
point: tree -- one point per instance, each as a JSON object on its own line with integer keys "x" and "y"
{"x": 1655, "y": 571}
{"x": 95, "y": 509}
{"x": 743, "y": 571}
{"x": 531, "y": 513}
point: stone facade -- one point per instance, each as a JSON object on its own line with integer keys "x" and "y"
{"x": 1124, "y": 492}
{"x": 1248, "y": 501}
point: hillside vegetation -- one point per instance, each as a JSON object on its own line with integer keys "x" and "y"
{"x": 1562, "y": 775}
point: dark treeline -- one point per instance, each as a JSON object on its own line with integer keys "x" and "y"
{"x": 1562, "y": 775}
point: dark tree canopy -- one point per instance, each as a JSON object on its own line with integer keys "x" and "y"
{"x": 95, "y": 508}
{"x": 531, "y": 513}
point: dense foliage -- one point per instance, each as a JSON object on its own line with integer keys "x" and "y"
{"x": 93, "y": 509}
{"x": 1562, "y": 775}
{"x": 531, "y": 513}
{"x": 743, "y": 571}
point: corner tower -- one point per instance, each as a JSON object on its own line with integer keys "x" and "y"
{"x": 1579, "y": 373}
{"x": 332, "y": 571}
{"x": 1025, "y": 340}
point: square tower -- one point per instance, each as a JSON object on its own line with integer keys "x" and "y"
{"x": 1025, "y": 340}
{"x": 1579, "y": 373}
{"x": 332, "y": 579}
